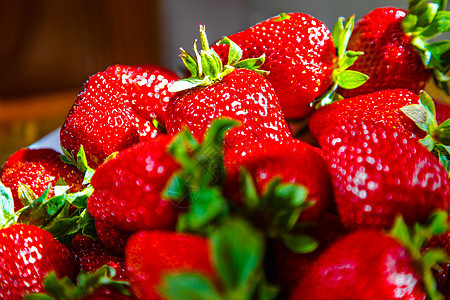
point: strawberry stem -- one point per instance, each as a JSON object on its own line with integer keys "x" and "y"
{"x": 422, "y": 22}
{"x": 206, "y": 66}
{"x": 414, "y": 238}
{"x": 437, "y": 139}
{"x": 341, "y": 77}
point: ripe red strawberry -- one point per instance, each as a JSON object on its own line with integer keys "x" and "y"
{"x": 151, "y": 254}
{"x": 90, "y": 256}
{"x": 216, "y": 91}
{"x": 111, "y": 238}
{"x": 116, "y": 109}
{"x": 37, "y": 169}
{"x": 299, "y": 54}
{"x": 27, "y": 254}
{"x": 442, "y": 111}
{"x": 366, "y": 264}
{"x": 396, "y": 54}
{"x": 378, "y": 173}
{"x": 382, "y": 107}
{"x": 292, "y": 162}
{"x": 127, "y": 188}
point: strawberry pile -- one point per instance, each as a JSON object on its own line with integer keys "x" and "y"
{"x": 293, "y": 163}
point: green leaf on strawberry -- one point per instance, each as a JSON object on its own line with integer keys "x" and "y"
{"x": 86, "y": 284}
{"x": 422, "y": 22}
{"x": 189, "y": 286}
{"x": 277, "y": 211}
{"x": 342, "y": 77}
{"x": 198, "y": 182}
{"x": 237, "y": 257}
{"x": 206, "y": 66}
{"x": 437, "y": 139}
{"x": 238, "y": 252}
{"x": 7, "y": 206}
{"x": 26, "y": 194}
{"x": 80, "y": 162}
{"x": 414, "y": 238}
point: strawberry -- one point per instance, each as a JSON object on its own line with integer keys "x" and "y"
{"x": 394, "y": 42}
{"x": 300, "y": 56}
{"x": 127, "y": 188}
{"x": 201, "y": 186}
{"x": 116, "y": 109}
{"x": 150, "y": 254}
{"x": 378, "y": 173}
{"x": 291, "y": 162}
{"x": 442, "y": 111}
{"x": 215, "y": 90}
{"x": 112, "y": 239}
{"x": 27, "y": 254}
{"x": 90, "y": 256}
{"x": 382, "y": 107}
{"x": 228, "y": 264}
{"x": 37, "y": 169}
{"x": 370, "y": 264}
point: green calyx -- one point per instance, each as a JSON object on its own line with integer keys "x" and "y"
{"x": 341, "y": 77}
{"x": 437, "y": 139}
{"x": 424, "y": 21}
{"x": 51, "y": 213}
{"x": 198, "y": 184}
{"x": 86, "y": 284}
{"x": 7, "y": 215}
{"x": 414, "y": 239}
{"x": 237, "y": 251}
{"x": 237, "y": 233}
{"x": 80, "y": 161}
{"x": 277, "y": 211}
{"x": 206, "y": 66}
{"x": 283, "y": 16}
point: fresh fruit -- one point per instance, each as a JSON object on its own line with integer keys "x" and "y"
{"x": 382, "y": 107}
{"x": 116, "y": 109}
{"x": 111, "y": 238}
{"x": 128, "y": 187}
{"x": 370, "y": 264}
{"x": 291, "y": 162}
{"x": 396, "y": 52}
{"x": 90, "y": 256}
{"x": 299, "y": 54}
{"x": 215, "y": 90}
{"x": 28, "y": 253}
{"x": 37, "y": 169}
{"x": 378, "y": 173}
{"x": 151, "y": 254}
{"x": 442, "y": 111}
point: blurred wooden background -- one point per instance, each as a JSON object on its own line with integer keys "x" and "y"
{"x": 49, "y": 49}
